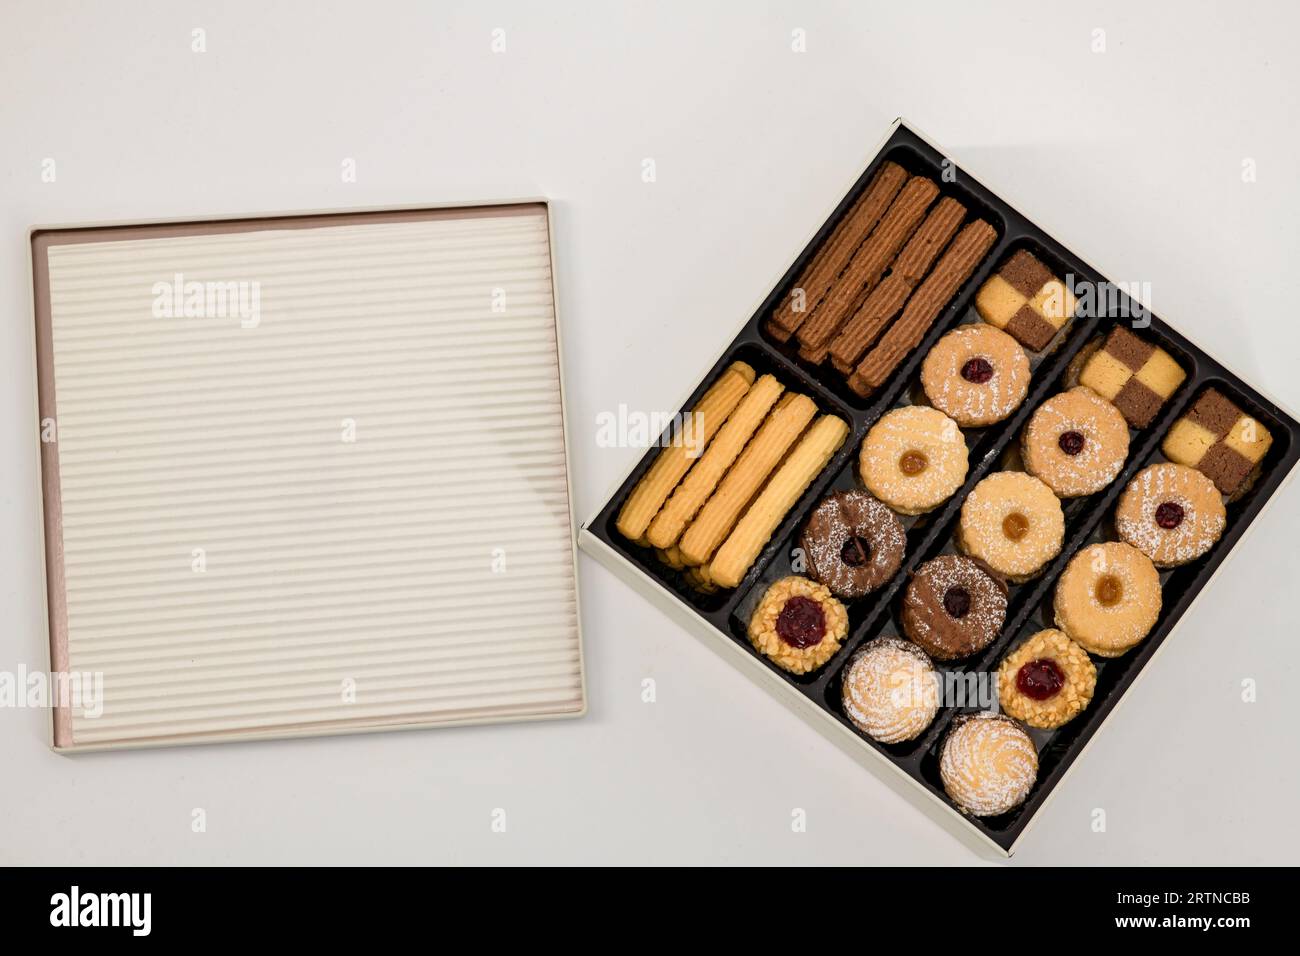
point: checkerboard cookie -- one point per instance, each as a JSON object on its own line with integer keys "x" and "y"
{"x": 1026, "y": 301}
{"x": 1220, "y": 441}
{"x": 1133, "y": 375}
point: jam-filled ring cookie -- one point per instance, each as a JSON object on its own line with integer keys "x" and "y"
{"x": 913, "y": 459}
{"x": 853, "y": 543}
{"x": 1075, "y": 441}
{"x": 1013, "y": 523}
{"x": 1171, "y": 513}
{"x": 988, "y": 764}
{"x": 798, "y": 624}
{"x": 976, "y": 374}
{"x": 1109, "y": 598}
{"x": 890, "y": 690}
{"x": 953, "y": 608}
{"x": 1046, "y": 681}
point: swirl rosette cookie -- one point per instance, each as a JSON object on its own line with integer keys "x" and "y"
{"x": 890, "y": 690}
{"x": 988, "y": 764}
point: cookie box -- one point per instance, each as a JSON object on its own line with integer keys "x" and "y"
{"x": 721, "y": 615}
{"x": 289, "y": 461}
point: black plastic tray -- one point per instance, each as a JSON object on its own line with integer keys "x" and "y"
{"x": 1087, "y": 519}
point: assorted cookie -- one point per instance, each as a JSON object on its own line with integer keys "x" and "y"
{"x": 988, "y": 764}
{"x": 1132, "y": 374}
{"x": 953, "y": 607}
{"x": 890, "y": 690}
{"x": 1047, "y": 681}
{"x": 1108, "y": 598}
{"x": 1076, "y": 442}
{"x": 713, "y": 498}
{"x": 1026, "y": 301}
{"x": 1171, "y": 513}
{"x": 798, "y": 624}
{"x": 881, "y": 279}
{"x": 852, "y": 543}
{"x": 1220, "y": 441}
{"x": 1013, "y": 523}
{"x": 913, "y": 459}
{"x": 976, "y": 375}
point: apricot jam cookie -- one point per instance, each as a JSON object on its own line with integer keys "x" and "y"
{"x": 1220, "y": 441}
{"x": 1075, "y": 441}
{"x": 1046, "y": 681}
{"x": 1013, "y": 523}
{"x": 976, "y": 374}
{"x": 798, "y": 624}
{"x": 890, "y": 690}
{"x": 1026, "y": 301}
{"x": 1108, "y": 599}
{"x": 953, "y": 608}
{"x": 913, "y": 459}
{"x": 1171, "y": 513}
{"x": 853, "y": 544}
{"x": 1132, "y": 374}
{"x": 988, "y": 764}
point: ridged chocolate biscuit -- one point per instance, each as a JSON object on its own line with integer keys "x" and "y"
{"x": 955, "y": 267}
{"x": 889, "y": 297}
{"x": 829, "y": 261}
{"x": 869, "y": 263}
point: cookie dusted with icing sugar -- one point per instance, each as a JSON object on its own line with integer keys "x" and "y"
{"x": 976, "y": 375}
{"x": 913, "y": 459}
{"x": 890, "y": 690}
{"x": 1076, "y": 442}
{"x": 953, "y": 608}
{"x": 1171, "y": 513}
{"x": 853, "y": 543}
{"x": 988, "y": 764}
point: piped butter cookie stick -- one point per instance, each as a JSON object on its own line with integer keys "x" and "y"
{"x": 868, "y": 264}
{"x": 761, "y": 456}
{"x": 905, "y": 274}
{"x": 829, "y": 261}
{"x": 955, "y": 267}
{"x": 675, "y": 460}
{"x": 699, "y": 483}
{"x": 791, "y": 480}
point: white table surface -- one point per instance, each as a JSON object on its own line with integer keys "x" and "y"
{"x": 1131, "y": 157}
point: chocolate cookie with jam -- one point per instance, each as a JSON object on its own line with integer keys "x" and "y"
{"x": 853, "y": 543}
{"x": 954, "y": 607}
{"x": 799, "y": 625}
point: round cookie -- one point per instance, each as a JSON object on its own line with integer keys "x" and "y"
{"x": 1076, "y": 442}
{"x": 798, "y": 624}
{"x": 1046, "y": 681}
{"x": 913, "y": 459}
{"x": 1108, "y": 598}
{"x": 853, "y": 543}
{"x": 1013, "y": 523}
{"x": 976, "y": 374}
{"x": 953, "y": 607}
{"x": 890, "y": 690}
{"x": 988, "y": 764}
{"x": 1171, "y": 513}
